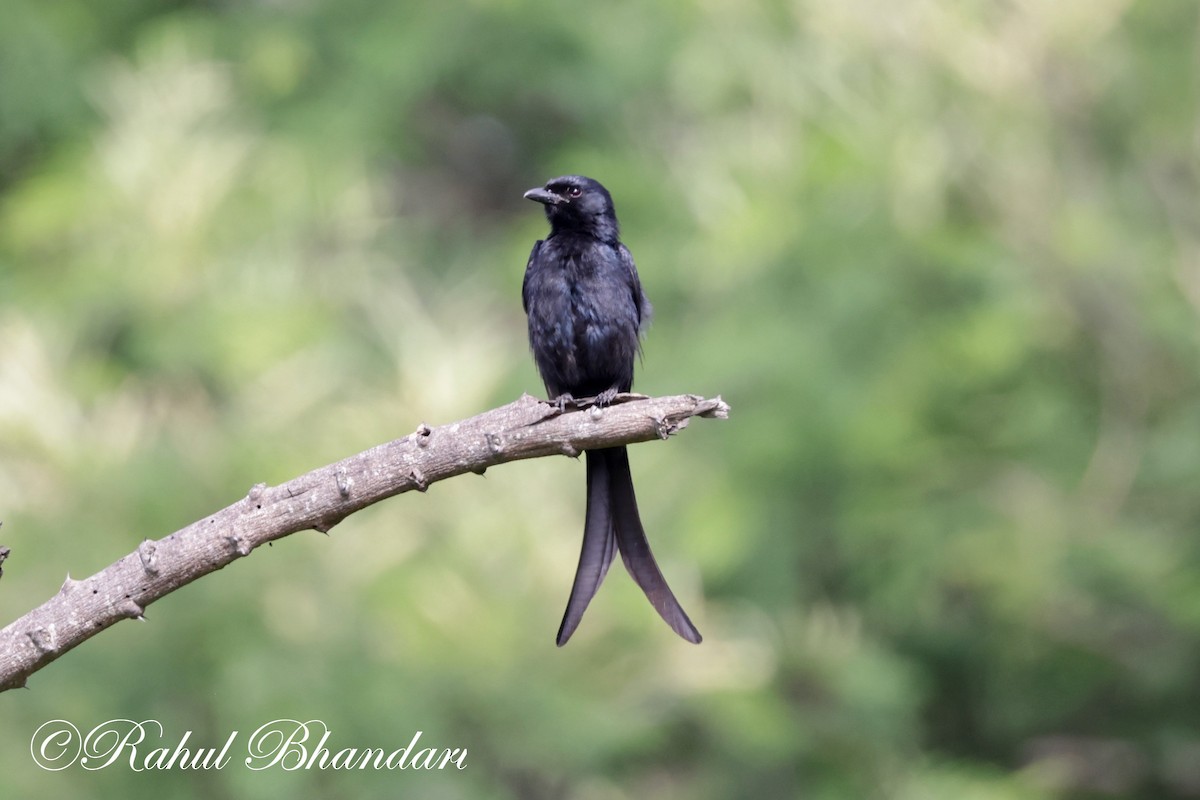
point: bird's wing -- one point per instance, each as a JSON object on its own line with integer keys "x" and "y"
{"x": 644, "y": 309}
{"x": 533, "y": 254}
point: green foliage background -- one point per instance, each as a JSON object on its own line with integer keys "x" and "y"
{"x": 943, "y": 259}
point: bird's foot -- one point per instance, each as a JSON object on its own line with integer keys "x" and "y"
{"x": 606, "y": 397}
{"x": 566, "y": 400}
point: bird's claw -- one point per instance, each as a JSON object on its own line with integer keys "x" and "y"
{"x": 562, "y": 401}
{"x": 606, "y": 397}
{"x": 566, "y": 399}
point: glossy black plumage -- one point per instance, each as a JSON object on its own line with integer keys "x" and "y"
{"x": 586, "y": 312}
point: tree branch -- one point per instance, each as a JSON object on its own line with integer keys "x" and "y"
{"x": 527, "y": 428}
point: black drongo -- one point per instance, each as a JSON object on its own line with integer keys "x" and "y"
{"x": 586, "y": 313}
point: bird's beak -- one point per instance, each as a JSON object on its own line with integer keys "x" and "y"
{"x": 543, "y": 196}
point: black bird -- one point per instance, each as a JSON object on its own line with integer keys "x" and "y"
{"x": 586, "y": 312}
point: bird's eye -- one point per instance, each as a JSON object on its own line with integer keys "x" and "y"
{"x": 574, "y": 191}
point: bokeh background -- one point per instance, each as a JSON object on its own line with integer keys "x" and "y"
{"x": 942, "y": 259}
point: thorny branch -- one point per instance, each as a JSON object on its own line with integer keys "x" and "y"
{"x": 527, "y": 428}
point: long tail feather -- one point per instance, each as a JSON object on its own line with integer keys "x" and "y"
{"x": 599, "y": 546}
{"x": 635, "y": 549}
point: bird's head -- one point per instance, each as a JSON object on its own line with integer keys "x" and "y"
{"x": 576, "y": 203}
